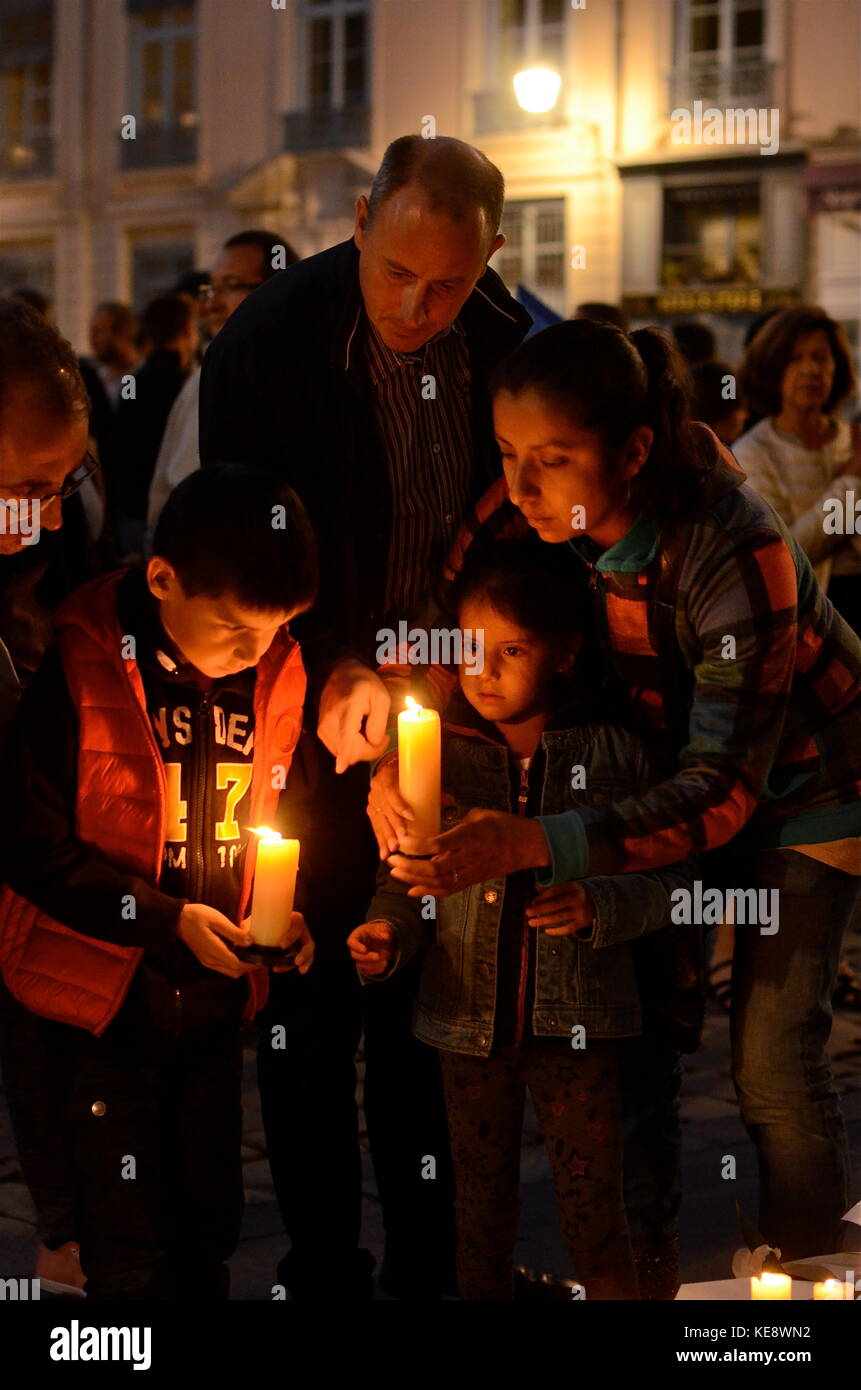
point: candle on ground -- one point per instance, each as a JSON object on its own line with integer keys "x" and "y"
{"x": 274, "y": 888}
{"x": 419, "y": 745}
{"x": 829, "y": 1291}
{"x": 771, "y": 1286}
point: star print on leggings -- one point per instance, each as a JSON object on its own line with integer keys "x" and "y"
{"x": 578, "y": 1166}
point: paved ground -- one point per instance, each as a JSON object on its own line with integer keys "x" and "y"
{"x": 708, "y": 1232}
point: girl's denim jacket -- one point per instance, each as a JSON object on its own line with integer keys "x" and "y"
{"x": 591, "y": 982}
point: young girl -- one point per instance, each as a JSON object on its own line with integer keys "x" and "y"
{"x": 522, "y": 988}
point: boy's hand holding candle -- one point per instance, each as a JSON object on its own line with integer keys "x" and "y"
{"x": 202, "y": 929}
{"x": 274, "y": 927}
{"x": 372, "y": 946}
{"x": 299, "y": 937}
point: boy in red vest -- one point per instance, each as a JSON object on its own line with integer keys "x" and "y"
{"x": 159, "y": 728}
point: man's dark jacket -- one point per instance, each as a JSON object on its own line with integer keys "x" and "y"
{"x": 140, "y": 426}
{"x": 277, "y": 392}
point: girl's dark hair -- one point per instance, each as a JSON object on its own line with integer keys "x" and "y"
{"x": 608, "y": 381}
{"x": 222, "y": 534}
{"x": 528, "y": 581}
{"x": 770, "y": 351}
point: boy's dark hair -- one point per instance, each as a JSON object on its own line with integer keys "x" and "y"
{"x": 771, "y": 349}
{"x": 453, "y": 177}
{"x": 608, "y": 381}
{"x": 221, "y": 533}
{"x": 528, "y": 581}
{"x": 266, "y": 243}
{"x": 164, "y": 319}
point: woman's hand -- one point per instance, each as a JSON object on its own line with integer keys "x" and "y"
{"x": 372, "y": 946}
{"x": 486, "y": 844}
{"x": 387, "y": 810}
{"x": 563, "y": 910}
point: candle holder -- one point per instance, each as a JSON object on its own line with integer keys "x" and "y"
{"x": 267, "y": 955}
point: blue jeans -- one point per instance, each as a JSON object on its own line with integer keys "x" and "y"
{"x": 781, "y": 1020}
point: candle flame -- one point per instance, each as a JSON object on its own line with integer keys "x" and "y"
{"x": 264, "y": 832}
{"x": 414, "y": 709}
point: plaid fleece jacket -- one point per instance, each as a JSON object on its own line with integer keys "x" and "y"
{"x": 774, "y": 736}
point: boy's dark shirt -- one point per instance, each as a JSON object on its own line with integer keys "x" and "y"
{"x": 73, "y": 881}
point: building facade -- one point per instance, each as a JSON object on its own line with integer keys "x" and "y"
{"x": 702, "y": 157}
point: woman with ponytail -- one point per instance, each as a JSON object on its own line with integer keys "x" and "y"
{"x": 737, "y": 667}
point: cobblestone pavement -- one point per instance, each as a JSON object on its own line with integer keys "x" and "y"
{"x": 711, "y": 1128}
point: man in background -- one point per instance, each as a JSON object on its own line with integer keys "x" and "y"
{"x": 246, "y": 260}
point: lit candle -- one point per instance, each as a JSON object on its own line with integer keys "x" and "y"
{"x": 830, "y": 1291}
{"x": 274, "y": 888}
{"x": 419, "y": 771}
{"x": 771, "y": 1286}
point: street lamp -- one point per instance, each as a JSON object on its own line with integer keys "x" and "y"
{"x": 537, "y": 89}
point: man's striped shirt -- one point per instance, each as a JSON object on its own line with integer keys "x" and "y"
{"x": 422, "y": 406}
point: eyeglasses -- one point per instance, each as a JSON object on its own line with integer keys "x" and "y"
{"x": 71, "y": 483}
{"x": 206, "y": 292}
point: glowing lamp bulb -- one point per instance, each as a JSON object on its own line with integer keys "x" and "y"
{"x": 537, "y": 89}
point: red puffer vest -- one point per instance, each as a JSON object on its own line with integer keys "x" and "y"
{"x": 121, "y": 798}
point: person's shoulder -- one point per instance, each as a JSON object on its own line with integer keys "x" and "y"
{"x": 294, "y": 312}
{"x": 321, "y": 281}
{"x": 756, "y": 443}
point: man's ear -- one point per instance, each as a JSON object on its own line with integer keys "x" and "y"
{"x": 499, "y": 240}
{"x": 361, "y": 221}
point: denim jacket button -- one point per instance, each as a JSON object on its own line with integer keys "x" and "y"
{"x": 491, "y": 895}
{"x": 552, "y": 1022}
{"x": 553, "y": 951}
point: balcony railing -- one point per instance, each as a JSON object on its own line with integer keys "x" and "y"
{"x": 498, "y": 111}
{"x": 327, "y": 128}
{"x": 745, "y": 82}
{"x": 27, "y": 159}
{"x": 159, "y": 145}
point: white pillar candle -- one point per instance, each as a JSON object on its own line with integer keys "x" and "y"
{"x": 829, "y": 1291}
{"x": 274, "y": 888}
{"x": 770, "y": 1287}
{"x": 419, "y": 775}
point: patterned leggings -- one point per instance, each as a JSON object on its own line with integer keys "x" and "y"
{"x": 576, "y": 1098}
